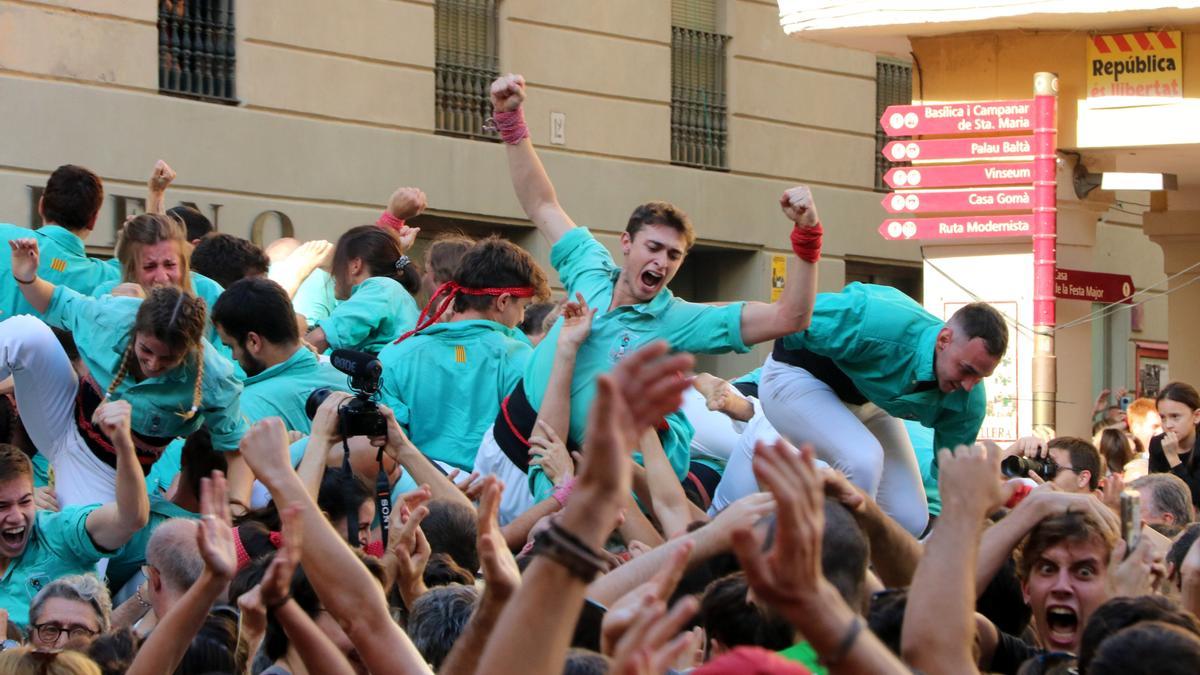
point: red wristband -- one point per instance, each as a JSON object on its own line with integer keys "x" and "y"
{"x": 511, "y": 125}
{"x": 806, "y": 242}
{"x": 563, "y": 492}
{"x": 389, "y": 221}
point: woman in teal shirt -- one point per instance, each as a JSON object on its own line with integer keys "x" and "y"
{"x": 375, "y": 282}
{"x": 150, "y": 352}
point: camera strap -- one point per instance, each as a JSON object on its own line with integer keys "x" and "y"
{"x": 383, "y": 499}
{"x": 351, "y": 515}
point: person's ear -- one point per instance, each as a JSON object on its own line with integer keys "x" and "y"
{"x": 944, "y": 337}
{"x": 626, "y": 243}
{"x": 1168, "y": 518}
{"x": 1085, "y": 478}
{"x": 254, "y": 343}
{"x": 502, "y": 302}
{"x": 154, "y": 578}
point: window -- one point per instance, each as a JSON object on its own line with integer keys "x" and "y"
{"x": 893, "y": 86}
{"x": 698, "y": 112}
{"x": 465, "y": 64}
{"x": 904, "y": 278}
{"x": 196, "y": 40}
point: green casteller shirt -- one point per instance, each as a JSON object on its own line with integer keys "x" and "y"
{"x": 378, "y": 311}
{"x": 586, "y": 267}
{"x": 884, "y": 342}
{"x": 315, "y": 299}
{"x": 59, "y": 545}
{"x": 446, "y": 383}
{"x": 283, "y": 389}
{"x": 63, "y": 262}
{"x": 127, "y": 561}
{"x": 805, "y": 655}
{"x": 101, "y": 329}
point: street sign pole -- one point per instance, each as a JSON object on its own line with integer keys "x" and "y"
{"x": 1045, "y": 382}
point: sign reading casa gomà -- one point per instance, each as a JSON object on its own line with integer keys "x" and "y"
{"x": 1135, "y": 68}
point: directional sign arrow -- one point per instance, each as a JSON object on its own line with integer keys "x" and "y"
{"x": 935, "y": 201}
{"x": 959, "y": 148}
{"x": 968, "y": 117}
{"x": 966, "y": 175}
{"x": 960, "y": 227}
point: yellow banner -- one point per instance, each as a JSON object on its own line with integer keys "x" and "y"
{"x": 778, "y": 276}
{"x": 1135, "y": 68}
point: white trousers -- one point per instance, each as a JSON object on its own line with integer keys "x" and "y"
{"x": 862, "y": 441}
{"x": 491, "y": 461}
{"x": 45, "y": 385}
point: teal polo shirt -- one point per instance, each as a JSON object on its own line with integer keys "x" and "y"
{"x": 446, "y": 383}
{"x": 283, "y": 389}
{"x": 378, "y": 311}
{"x": 101, "y": 328}
{"x": 884, "y": 342}
{"x": 63, "y": 262}
{"x": 922, "y": 442}
{"x": 751, "y": 377}
{"x": 586, "y": 267}
{"x": 315, "y": 299}
{"x": 132, "y": 555}
{"x": 59, "y": 545}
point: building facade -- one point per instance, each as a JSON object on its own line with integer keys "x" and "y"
{"x": 301, "y": 116}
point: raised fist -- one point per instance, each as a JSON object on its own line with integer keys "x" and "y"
{"x": 508, "y": 93}
{"x": 161, "y": 177}
{"x": 798, "y": 205}
{"x": 407, "y": 202}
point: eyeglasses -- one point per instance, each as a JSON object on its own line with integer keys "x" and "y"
{"x": 49, "y": 632}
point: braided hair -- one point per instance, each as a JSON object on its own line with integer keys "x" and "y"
{"x": 149, "y": 229}
{"x": 177, "y": 319}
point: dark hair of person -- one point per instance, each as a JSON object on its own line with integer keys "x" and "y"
{"x": 1084, "y": 457}
{"x": 586, "y": 662}
{"x": 442, "y": 570}
{"x": 380, "y": 250}
{"x": 213, "y": 648}
{"x": 1120, "y": 613}
{"x": 661, "y": 213}
{"x": 198, "y": 460}
{"x": 1075, "y": 527}
{"x": 451, "y": 529}
{"x": 275, "y": 642}
{"x": 981, "y": 320}
{"x": 256, "y": 305}
{"x": 535, "y": 318}
{"x": 1182, "y": 544}
{"x": 1116, "y": 446}
{"x": 845, "y": 552}
{"x": 14, "y": 463}
{"x": 1147, "y": 648}
{"x": 114, "y": 652}
{"x": 497, "y": 263}
{"x": 438, "y": 618}
{"x": 196, "y": 224}
{"x": 1002, "y": 601}
{"x": 728, "y": 617}
{"x": 225, "y": 258}
{"x": 72, "y": 198}
{"x": 342, "y": 494}
{"x": 885, "y": 616}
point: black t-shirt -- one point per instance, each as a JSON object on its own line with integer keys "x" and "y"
{"x": 1188, "y": 469}
{"x": 1011, "y": 652}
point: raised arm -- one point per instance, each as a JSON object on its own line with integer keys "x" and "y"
{"x": 939, "y": 623}
{"x": 792, "y": 312}
{"x": 25, "y": 258}
{"x": 530, "y": 182}
{"x": 113, "y": 524}
{"x": 169, "y": 641}
{"x": 344, "y": 585}
{"x": 156, "y": 188}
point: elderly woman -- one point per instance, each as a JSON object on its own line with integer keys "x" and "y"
{"x": 73, "y": 609}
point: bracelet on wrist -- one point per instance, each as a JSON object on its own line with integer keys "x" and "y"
{"x": 21, "y": 281}
{"x": 274, "y": 606}
{"x": 846, "y": 644}
{"x": 566, "y": 549}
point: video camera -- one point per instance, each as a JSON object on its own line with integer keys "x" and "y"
{"x": 359, "y": 416}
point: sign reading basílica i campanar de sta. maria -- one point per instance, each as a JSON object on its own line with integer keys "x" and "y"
{"x": 1135, "y": 68}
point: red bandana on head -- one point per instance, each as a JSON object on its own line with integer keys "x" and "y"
{"x": 430, "y": 314}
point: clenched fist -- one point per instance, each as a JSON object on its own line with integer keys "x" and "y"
{"x": 508, "y": 93}
{"x": 798, "y": 205}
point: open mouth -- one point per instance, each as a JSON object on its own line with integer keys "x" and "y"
{"x": 652, "y": 279}
{"x": 1062, "y": 623}
{"x": 13, "y": 536}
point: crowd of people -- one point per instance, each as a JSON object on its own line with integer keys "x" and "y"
{"x": 338, "y": 458}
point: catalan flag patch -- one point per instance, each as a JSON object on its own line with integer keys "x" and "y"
{"x": 460, "y": 354}
{"x": 58, "y": 264}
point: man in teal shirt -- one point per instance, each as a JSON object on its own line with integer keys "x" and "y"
{"x": 68, "y": 208}
{"x": 255, "y": 321}
{"x": 37, "y": 546}
{"x": 445, "y": 383}
{"x": 634, "y": 305}
{"x": 870, "y": 358}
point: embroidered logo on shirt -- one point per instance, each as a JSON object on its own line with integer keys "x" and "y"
{"x": 58, "y": 264}
{"x": 460, "y": 354}
{"x": 621, "y": 345}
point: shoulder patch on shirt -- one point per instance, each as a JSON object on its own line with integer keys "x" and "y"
{"x": 460, "y": 354}
{"x": 58, "y": 264}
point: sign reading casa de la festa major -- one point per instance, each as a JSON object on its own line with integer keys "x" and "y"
{"x": 1135, "y": 68}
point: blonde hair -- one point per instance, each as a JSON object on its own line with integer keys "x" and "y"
{"x": 177, "y": 319}
{"x": 149, "y": 229}
{"x": 24, "y": 661}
